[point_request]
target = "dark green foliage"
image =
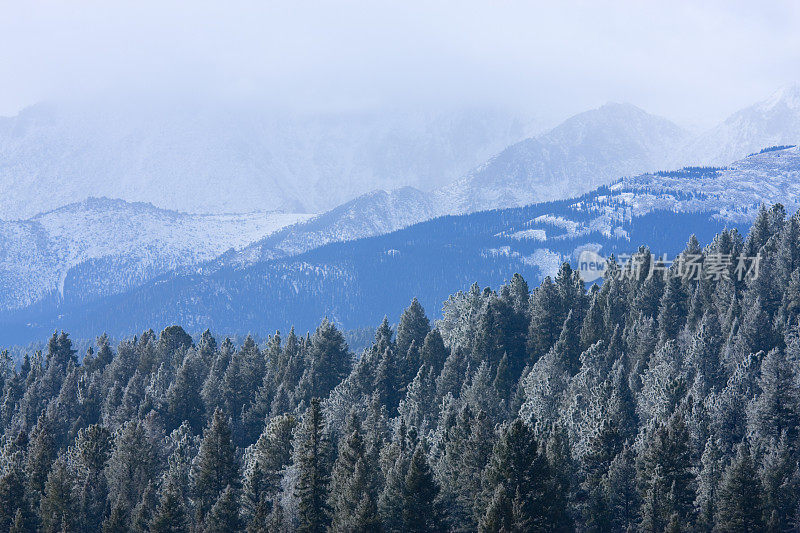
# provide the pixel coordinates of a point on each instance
(413, 327)
(311, 458)
(270, 455)
(215, 467)
(666, 477)
(741, 505)
(522, 469)
(224, 515)
(421, 510)
(170, 516)
(327, 363)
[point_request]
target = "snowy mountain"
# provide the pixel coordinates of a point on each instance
(99, 246)
(730, 196)
(374, 213)
(209, 158)
(774, 121)
(352, 282)
(587, 150)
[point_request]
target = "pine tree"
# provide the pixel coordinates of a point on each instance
(118, 519)
(224, 515)
(421, 510)
(603, 448)
(132, 465)
(413, 327)
(215, 467)
(328, 362)
(311, 460)
(41, 454)
(172, 339)
(546, 319)
(433, 352)
(91, 451)
(499, 516)
(13, 500)
(352, 488)
(170, 516)
(740, 496)
(58, 508)
(781, 481)
(623, 496)
(395, 459)
(143, 512)
(269, 456)
(184, 399)
(776, 411)
(673, 309)
(519, 465)
(277, 519)
(708, 481)
(666, 475)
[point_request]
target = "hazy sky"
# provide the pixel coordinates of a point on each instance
(694, 62)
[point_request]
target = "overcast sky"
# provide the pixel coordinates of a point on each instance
(693, 62)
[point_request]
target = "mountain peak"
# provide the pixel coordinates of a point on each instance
(788, 96)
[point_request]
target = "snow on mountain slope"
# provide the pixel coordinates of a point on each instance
(730, 195)
(587, 150)
(212, 158)
(375, 213)
(351, 282)
(131, 242)
(774, 121)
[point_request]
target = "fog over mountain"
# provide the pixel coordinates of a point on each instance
(770, 122)
(210, 158)
(587, 150)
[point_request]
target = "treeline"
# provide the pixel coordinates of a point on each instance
(648, 403)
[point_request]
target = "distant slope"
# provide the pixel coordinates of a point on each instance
(354, 282)
(773, 121)
(98, 247)
(203, 157)
(374, 213)
(587, 150)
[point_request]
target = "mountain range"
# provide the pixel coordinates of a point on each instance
(352, 281)
(90, 251)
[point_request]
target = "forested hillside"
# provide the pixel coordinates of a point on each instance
(645, 403)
